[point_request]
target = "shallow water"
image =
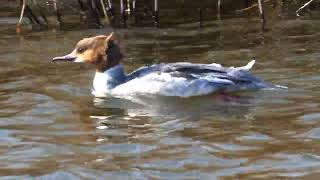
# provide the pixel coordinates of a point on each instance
(51, 127)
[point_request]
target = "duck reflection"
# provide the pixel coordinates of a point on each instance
(168, 108)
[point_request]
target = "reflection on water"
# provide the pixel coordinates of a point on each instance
(172, 108)
(52, 128)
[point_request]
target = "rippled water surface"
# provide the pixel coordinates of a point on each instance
(52, 127)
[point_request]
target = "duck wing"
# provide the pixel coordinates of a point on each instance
(213, 74)
(143, 71)
(211, 71)
(182, 67)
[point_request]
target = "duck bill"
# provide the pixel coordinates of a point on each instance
(68, 57)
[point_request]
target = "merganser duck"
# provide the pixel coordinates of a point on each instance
(172, 79)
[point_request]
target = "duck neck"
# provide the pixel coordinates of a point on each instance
(109, 79)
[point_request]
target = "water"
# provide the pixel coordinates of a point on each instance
(52, 128)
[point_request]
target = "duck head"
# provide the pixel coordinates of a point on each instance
(101, 51)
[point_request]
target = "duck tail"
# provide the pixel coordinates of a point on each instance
(247, 67)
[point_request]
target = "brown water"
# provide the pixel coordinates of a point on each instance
(52, 127)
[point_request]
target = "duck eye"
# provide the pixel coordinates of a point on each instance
(81, 50)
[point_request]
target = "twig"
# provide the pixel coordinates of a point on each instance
(155, 5)
(134, 11)
(41, 12)
(219, 9)
(123, 14)
(105, 12)
(18, 27)
(110, 9)
(121, 7)
(81, 5)
(133, 5)
(262, 17)
(22, 12)
(32, 17)
(110, 3)
(94, 12)
(156, 13)
(57, 12)
(306, 4)
(200, 17)
(128, 10)
(251, 7)
(247, 3)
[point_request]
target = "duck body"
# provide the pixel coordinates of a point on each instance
(176, 79)
(181, 79)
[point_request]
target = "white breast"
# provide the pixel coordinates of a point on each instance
(105, 82)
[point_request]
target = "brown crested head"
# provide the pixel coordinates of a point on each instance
(101, 51)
